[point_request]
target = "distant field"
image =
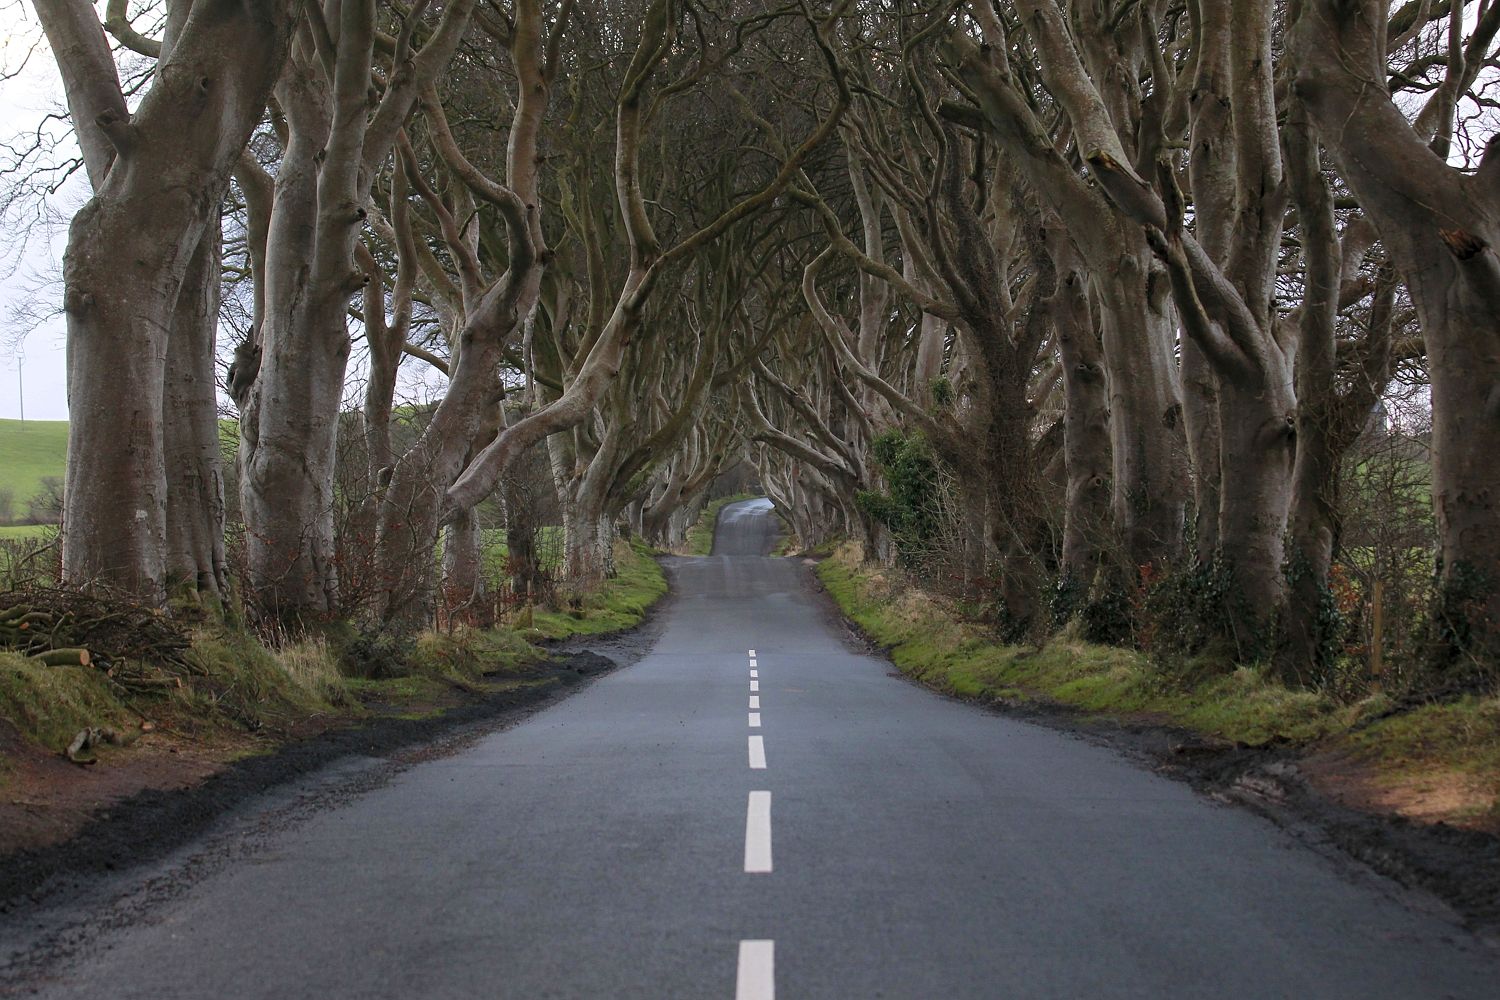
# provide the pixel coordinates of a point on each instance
(16, 532)
(30, 450)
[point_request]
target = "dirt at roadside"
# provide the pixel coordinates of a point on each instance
(61, 824)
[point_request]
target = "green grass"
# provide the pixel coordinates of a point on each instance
(33, 449)
(549, 544)
(620, 604)
(22, 532)
(931, 643)
(51, 704)
(1465, 732)
(700, 537)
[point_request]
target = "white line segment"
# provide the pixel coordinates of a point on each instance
(755, 701)
(758, 834)
(753, 663)
(754, 720)
(757, 753)
(755, 673)
(755, 685)
(756, 979)
(752, 652)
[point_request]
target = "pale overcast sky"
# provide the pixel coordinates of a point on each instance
(30, 252)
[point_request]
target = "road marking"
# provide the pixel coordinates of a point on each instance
(753, 663)
(755, 701)
(752, 652)
(755, 685)
(757, 753)
(756, 979)
(754, 673)
(758, 834)
(754, 720)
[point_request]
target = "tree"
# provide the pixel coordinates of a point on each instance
(139, 257)
(1439, 224)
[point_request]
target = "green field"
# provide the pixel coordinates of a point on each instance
(16, 532)
(30, 450)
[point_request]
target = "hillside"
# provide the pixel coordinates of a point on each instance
(29, 450)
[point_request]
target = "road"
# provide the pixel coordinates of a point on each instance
(627, 843)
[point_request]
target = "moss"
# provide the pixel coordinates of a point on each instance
(49, 705)
(931, 642)
(412, 688)
(619, 604)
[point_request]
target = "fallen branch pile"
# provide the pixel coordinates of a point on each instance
(130, 643)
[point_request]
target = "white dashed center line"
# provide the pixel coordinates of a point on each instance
(755, 685)
(753, 663)
(758, 834)
(752, 652)
(757, 975)
(757, 753)
(755, 701)
(755, 673)
(754, 720)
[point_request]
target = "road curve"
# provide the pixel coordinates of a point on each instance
(638, 841)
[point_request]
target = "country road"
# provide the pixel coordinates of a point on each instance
(754, 810)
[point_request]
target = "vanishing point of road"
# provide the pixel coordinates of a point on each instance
(754, 810)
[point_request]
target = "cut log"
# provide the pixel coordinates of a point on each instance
(64, 658)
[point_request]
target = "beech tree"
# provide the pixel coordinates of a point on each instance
(1080, 307)
(140, 278)
(1437, 221)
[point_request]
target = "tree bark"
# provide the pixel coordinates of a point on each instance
(158, 178)
(196, 567)
(1440, 227)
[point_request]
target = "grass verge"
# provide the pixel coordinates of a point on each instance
(620, 604)
(232, 689)
(1397, 759)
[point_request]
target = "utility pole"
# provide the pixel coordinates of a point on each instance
(21, 389)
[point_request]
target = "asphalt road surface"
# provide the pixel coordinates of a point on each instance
(753, 810)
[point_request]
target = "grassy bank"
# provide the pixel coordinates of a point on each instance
(227, 687)
(1435, 762)
(231, 688)
(619, 604)
(700, 537)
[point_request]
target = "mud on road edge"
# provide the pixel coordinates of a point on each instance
(1460, 868)
(151, 824)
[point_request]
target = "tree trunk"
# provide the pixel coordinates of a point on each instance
(190, 421)
(288, 461)
(121, 279)
(1258, 435)
(464, 589)
(1086, 523)
(158, 178)
(289, 424)
(1440, 227)
(1149, 481)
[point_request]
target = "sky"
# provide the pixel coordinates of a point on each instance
(32, 370)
